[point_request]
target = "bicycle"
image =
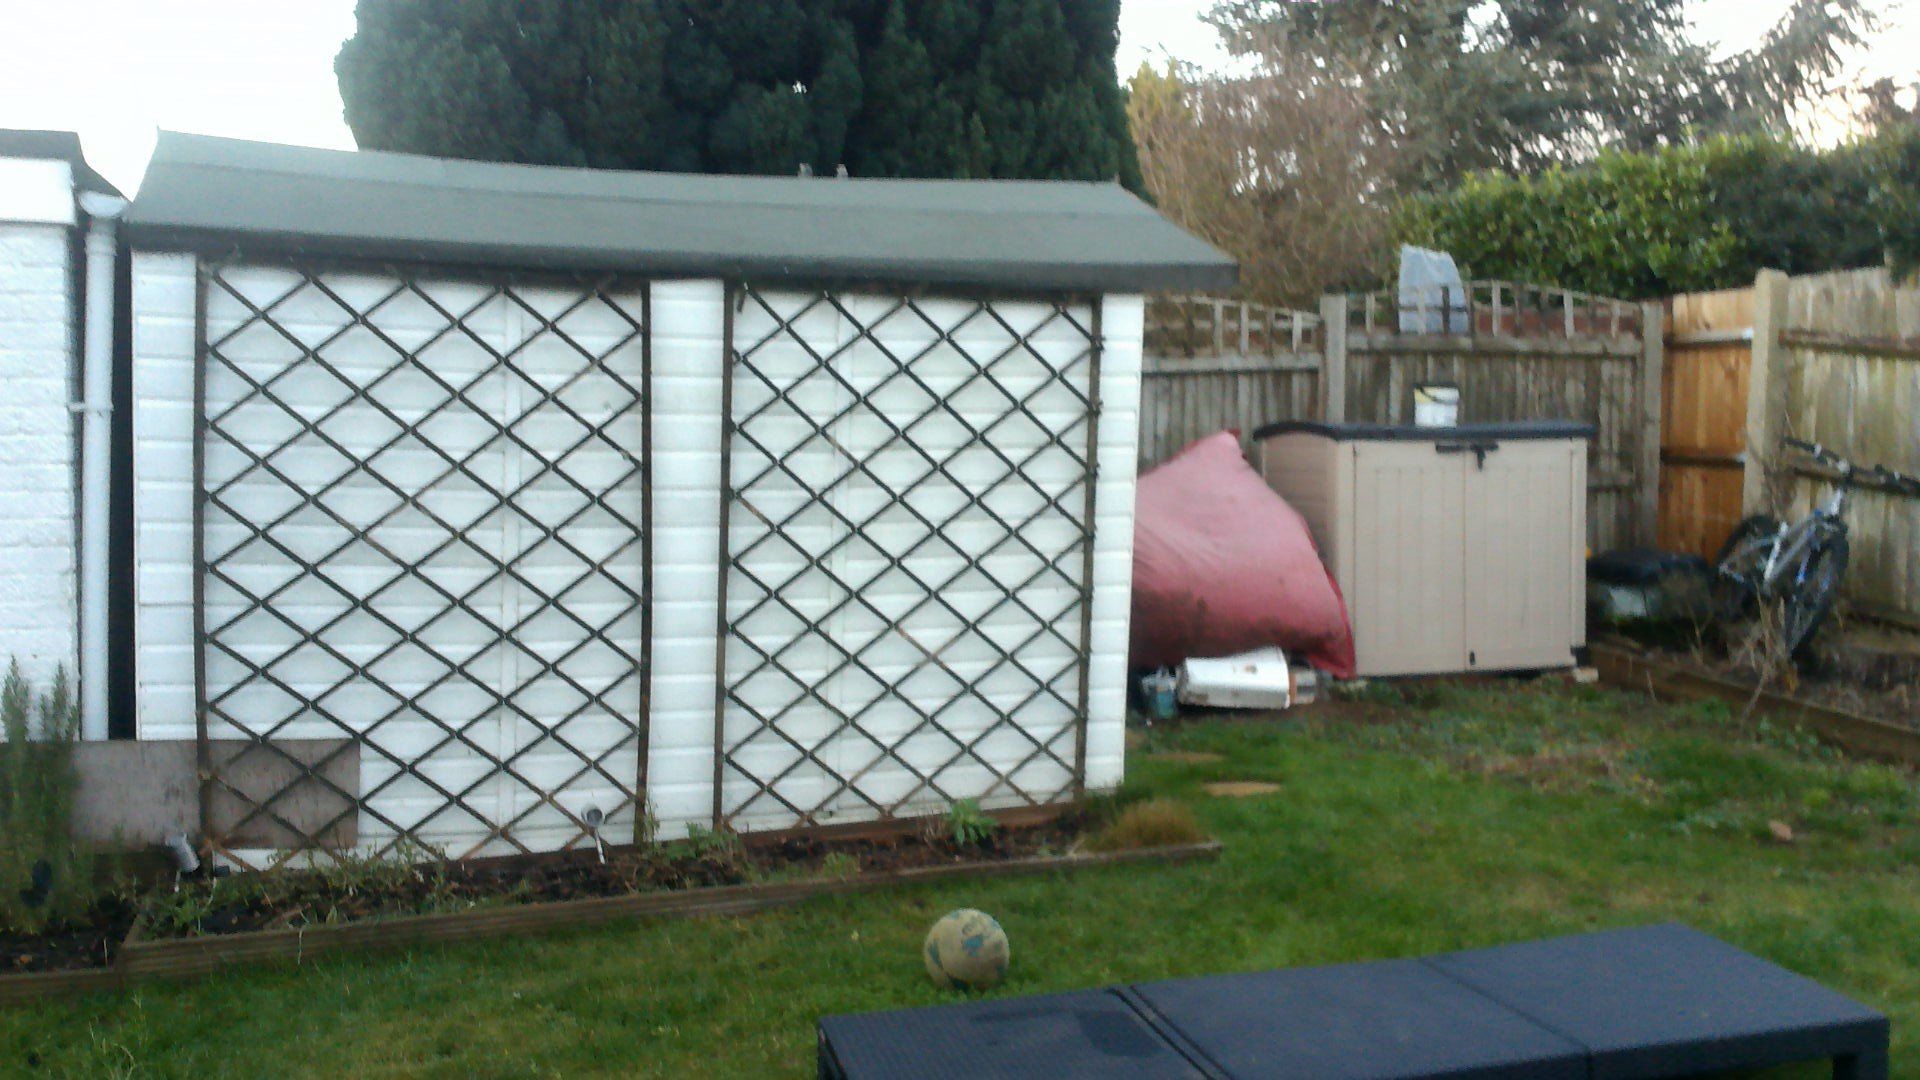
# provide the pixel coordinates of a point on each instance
(1799, 566)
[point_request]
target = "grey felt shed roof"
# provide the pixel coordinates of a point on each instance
(210, 193)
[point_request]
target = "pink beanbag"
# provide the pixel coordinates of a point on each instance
(1222, 565)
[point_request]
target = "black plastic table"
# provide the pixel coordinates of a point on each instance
(1672, 1001)
(1663, 1001)
(1091, 1033)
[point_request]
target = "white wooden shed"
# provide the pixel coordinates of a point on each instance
(478, 503)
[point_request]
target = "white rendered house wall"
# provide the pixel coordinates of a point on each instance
(38, 452)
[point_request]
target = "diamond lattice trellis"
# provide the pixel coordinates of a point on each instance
(422, 543)
(907, 567)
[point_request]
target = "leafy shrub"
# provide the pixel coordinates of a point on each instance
(1704, 216)
(45, 877)
(1150, 824)
(1896, 197)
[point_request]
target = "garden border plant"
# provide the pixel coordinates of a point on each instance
(45, 876)
(57, 896)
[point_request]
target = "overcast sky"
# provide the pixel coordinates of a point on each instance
(116, 70)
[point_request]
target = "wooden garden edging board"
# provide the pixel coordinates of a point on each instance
(142, 960)
(41, 985)
(1623, 667)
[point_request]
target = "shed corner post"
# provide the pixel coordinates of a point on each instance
(1766, 391)
(1096, 347)
(1653, 363)
(730, 291)
(203, 274)
(1333, 358)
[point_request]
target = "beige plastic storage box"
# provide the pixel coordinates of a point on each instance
(1457, 549)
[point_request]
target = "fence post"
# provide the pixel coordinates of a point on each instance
(1653, 362)
(1333, 358)
(1766, 390)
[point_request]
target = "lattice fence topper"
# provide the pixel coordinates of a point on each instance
(421, 536)
(907, 568)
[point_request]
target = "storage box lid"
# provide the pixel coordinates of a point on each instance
(1508, 431)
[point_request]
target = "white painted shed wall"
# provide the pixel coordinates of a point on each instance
(39, 366)
(163, 329)
(583, 622)
(688, 365)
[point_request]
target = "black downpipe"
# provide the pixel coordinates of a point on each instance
(120, 632)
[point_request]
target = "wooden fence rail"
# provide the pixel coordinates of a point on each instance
(1495, 309)
(1214, 365)
(1516, 352)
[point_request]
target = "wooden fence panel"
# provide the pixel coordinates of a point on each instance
(1852, 342)
(1510, 384)
(1185, 400)
(1846, 346)
(1521, 353)
(1214, 364)
(1704, 416)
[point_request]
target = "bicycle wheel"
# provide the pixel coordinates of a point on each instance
(1811, 597)
(1737, 570)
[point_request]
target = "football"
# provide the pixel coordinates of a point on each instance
(967, 949)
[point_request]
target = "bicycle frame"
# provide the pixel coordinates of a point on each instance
(1794, 541)
(1778, 562)
(1787, 549)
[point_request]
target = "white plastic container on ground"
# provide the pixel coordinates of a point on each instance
(1261, 679)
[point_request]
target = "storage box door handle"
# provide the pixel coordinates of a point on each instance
(1479, 450)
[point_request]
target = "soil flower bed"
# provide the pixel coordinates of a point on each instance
(409, 884)
(88, 941)
(373, 889)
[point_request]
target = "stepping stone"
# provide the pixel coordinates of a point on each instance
(1188, 757)
(1239, 789)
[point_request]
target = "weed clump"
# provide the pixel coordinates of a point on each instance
(1150, 824)
(46, 878)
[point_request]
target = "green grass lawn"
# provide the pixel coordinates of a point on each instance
(1412, 822)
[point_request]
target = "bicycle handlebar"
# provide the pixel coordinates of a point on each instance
(1900, 482)
(1818, 453)
(1879, 474)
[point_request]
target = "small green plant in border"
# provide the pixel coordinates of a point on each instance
(45, 877)
(969, 825)
(179, 912)
(838, 865)
(702, 842)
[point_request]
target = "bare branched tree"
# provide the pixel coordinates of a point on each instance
(1521, 85)
(1888, 107)
(1283, 168)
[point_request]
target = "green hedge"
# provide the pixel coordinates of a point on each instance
(1706, 216)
